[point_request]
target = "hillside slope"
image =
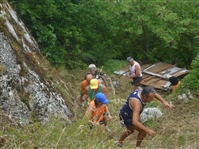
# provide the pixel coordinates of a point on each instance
(176, 129)
(32, 90)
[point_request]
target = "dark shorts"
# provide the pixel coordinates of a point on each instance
(125, 119)
(101, 123)
(136, 81)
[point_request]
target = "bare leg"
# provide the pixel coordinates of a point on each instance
(129, 131)
(126, 133)
(140, 136)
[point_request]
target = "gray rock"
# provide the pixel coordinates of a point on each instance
(150, 113)
(40, 97)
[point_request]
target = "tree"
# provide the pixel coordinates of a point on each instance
(72, 33)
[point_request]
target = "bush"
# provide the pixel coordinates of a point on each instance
(191, 81)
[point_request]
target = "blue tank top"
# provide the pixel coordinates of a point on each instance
(127, 108)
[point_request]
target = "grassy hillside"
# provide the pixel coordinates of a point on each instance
(177, 129)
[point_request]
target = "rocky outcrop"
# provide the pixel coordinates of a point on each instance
(24, 93)
(150, 113)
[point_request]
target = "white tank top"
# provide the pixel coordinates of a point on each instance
(132, 69)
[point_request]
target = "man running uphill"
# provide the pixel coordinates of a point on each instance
(130, 114)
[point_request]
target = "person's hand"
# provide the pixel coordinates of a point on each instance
(152, 133)
(168, 106)
(131, 77)
(109, 117)
(97, 124)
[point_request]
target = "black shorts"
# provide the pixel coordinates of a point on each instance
(136, 81)
(101, 122)
(125, 119)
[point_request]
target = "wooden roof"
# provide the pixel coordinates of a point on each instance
(156, 75)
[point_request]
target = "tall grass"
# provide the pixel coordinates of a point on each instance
(58, 134)
(177, 129)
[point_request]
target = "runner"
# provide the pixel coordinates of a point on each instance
(84, 84)
(93, 89)
(97, 74)
(130, 113)
(98, 112)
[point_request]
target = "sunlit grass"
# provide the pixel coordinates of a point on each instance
(59, 134)
(177, 129)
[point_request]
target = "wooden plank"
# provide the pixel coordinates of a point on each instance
(151, 77)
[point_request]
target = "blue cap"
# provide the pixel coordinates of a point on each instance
(101, 98)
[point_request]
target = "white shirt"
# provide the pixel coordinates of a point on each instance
(132, 69)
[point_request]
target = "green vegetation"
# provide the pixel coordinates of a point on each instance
(172, 128)
(112, 65)
(181, 140)
(74, 33)
(191, 81)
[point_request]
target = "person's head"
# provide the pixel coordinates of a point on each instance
(100, 99)
(89, 77)
(94, 84)
(130, 60)
(148, 94)
(173, 80)
(92, 69)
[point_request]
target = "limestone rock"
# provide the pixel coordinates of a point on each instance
(150, 113)
(24, 95)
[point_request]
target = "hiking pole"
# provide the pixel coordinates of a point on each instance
(101, 69)
(102, 77)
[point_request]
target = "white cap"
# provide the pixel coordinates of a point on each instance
(92, 66)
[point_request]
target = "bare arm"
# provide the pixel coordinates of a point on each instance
(89, 110)
(166, 105)
(106, 110)
(85, 91)
(105, 91)
(88, 114)
(108, 113)
(174, 87)
(136, 105)
(138, 70)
